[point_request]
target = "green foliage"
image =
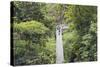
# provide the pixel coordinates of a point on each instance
(30, 27)
(34, 32)
(82, 20)
(26, 11)
(30, 39)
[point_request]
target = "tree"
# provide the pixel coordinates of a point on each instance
(34, 26)
(81, 19)
(26, 11)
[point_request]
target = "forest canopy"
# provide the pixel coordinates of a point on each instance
(34, 24)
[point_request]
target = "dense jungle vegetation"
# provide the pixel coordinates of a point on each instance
(34, 32)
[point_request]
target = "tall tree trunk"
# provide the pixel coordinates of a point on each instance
(59, 45)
